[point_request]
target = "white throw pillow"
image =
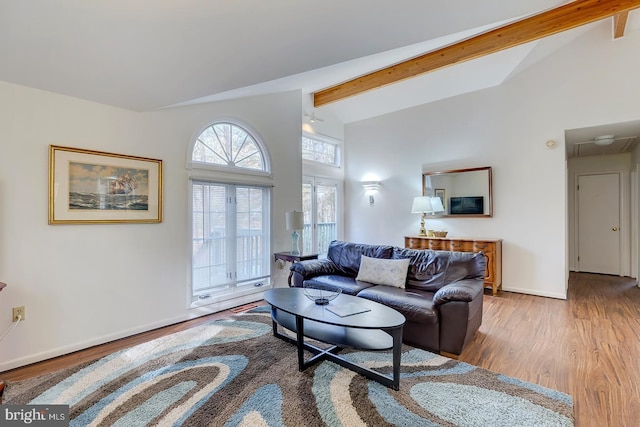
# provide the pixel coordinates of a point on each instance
(390, 272)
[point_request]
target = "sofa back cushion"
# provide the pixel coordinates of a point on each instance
(346, 255)
(430, 270)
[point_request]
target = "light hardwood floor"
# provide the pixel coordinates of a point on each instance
(587, 346)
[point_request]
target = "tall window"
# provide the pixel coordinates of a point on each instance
(321, 195)
(320, 203)
(230, 221)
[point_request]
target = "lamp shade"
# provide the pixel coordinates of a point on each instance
(295, 220)
(436, 204)
(371, 185)
(424, 204)
(421, 204)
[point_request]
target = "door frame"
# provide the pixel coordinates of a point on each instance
(621, 204)
(634, 222)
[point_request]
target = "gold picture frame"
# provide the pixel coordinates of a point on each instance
(95, 187)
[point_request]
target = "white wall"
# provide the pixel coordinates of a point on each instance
(505, 127)
(87, 284)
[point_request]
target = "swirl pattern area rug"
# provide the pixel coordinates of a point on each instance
(234, 372)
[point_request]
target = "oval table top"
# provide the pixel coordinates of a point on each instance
(293, 301)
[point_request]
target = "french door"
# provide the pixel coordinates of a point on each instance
(230, 239)
(321, 204)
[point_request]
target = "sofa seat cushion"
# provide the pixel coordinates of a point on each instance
(416, 305)
(348, 285)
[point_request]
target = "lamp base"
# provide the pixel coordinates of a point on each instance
(423, 231)
(295, 243)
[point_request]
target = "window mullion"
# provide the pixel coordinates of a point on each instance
(232, 235)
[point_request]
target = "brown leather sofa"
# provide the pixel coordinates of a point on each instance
(441, 300)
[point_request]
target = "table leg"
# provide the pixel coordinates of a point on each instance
(397, 356)
(300, 341)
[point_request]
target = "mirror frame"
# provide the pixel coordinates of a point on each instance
(484, 168)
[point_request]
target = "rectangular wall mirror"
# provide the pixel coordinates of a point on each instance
(464, 192)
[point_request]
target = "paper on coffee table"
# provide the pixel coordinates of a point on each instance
(348, 309)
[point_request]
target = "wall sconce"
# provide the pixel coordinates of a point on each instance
(370, 188)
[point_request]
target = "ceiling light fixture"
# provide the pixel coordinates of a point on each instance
(604, 140)
(313, 118)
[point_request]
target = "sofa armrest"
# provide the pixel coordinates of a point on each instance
(307, 269)
(463, 290)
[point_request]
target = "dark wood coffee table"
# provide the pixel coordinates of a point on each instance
(377, 329)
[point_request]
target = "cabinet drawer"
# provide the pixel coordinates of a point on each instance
(416, 243)
(483, 247)
(457, 246)
(468, 246)
(438, 245)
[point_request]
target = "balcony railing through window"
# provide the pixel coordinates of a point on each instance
(210, 262)
(327, 231)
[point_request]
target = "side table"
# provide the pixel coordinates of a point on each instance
(289, 257)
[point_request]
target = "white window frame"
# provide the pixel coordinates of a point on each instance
(237, 286)
(238, 176)
(326, 140)
(202, 166)
(314, 181)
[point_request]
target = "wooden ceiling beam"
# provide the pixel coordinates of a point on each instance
(553, 21)
(619, 24)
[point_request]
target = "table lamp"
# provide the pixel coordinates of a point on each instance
(295, 221)
(426, 205)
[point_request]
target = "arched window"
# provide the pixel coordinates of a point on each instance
(227, 144)
(230, 226)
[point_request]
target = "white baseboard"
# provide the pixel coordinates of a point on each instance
(60, 351)
(199, 310)
(536, 293)
(191, 314)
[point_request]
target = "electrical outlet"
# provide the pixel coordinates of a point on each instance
(18, 312)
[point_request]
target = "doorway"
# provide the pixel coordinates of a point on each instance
(598, 219)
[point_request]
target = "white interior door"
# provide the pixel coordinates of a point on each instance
(599, 223)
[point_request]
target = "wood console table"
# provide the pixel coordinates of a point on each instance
(491, 248)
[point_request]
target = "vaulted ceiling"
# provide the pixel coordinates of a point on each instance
(151, 54)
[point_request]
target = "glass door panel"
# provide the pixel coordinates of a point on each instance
(321, 206)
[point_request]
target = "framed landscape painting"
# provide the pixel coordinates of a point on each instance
(88, 186)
